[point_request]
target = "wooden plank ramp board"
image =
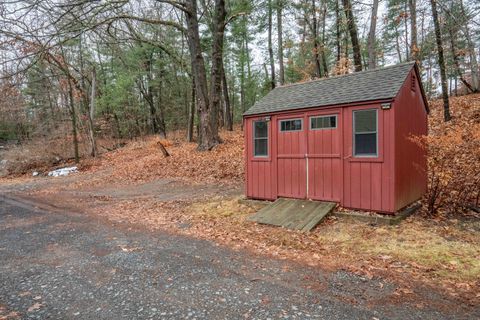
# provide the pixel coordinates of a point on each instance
(294, 214)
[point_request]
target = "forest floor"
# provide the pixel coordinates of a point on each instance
(197, 194)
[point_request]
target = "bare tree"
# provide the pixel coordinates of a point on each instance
(441, 61)
(371, 36)
(322, 42)
(191, 114)
(270, 44)
(208, 104)
(226, 98)
(281, 74)
(338, 21)
(316, 49)
(352, 28)
(413, 30)
(471, 51)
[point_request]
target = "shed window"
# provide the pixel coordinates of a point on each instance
(365, 131)
(323, 122)
(291, 125)
(260, 138)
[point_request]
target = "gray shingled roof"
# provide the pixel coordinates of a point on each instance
(383, 83)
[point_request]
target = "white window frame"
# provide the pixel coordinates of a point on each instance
(372, 155)
(324, 116)
(262, 138)
(285, 120)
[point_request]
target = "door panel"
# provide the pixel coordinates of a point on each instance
(291, 163)
(324, 157)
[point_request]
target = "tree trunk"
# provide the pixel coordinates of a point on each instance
(405, 22)
(265, 70)
(352, 28)
(302, 49)
(471, 52)
(280, 41)
(216, 72)
(206, 138)
(88, 108)
(91, 114)
(157, 125)
(452, 34)
(243, 103)
(322, 44)
(270, 45)
(207, 105)
(450, 80)
(441, 61)
(247, 50)
(337, 33)
(191, 114)
(159, 105)
(73, 116)
(371, 37)
(397, 44)
(228, 114)
(316, 55)
(413, 30)
(248, 79)
(117, 125)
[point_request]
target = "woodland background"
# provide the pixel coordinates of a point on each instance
(81, 78)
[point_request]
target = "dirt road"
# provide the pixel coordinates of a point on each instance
(64, 265)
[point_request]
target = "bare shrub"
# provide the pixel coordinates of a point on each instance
(454, 157)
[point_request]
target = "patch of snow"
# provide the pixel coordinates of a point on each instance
(35, 173)
(62, 172)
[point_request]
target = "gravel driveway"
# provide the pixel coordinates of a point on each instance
(71, 266)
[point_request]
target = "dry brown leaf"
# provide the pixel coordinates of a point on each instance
(36, 306)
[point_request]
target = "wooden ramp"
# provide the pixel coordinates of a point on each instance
(294, 214)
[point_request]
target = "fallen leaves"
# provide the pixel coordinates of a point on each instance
(130, 249)
(5, 314)
(142, 161)
(453, 157)
(36, 306)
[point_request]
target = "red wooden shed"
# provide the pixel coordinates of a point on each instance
(345, 139)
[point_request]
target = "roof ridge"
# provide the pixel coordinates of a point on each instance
(345, 75)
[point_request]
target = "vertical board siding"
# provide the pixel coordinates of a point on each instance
(366, 185)
(356, 185)
(411, 166)
(377, 194)
(324, 159)
(368, 182)
(260, 173)
(387, 170)
(290, 158)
